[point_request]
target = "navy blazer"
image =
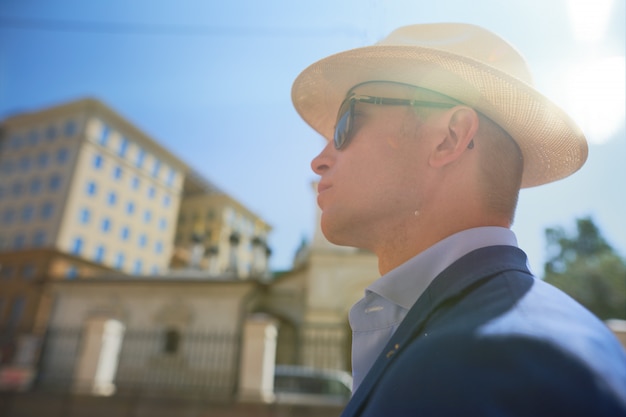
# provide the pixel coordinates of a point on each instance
(488, 339)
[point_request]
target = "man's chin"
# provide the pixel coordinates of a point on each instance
(333, 234)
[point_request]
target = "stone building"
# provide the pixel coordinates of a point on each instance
(84, 193)
(217, 234)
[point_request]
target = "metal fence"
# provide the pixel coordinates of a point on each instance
(198, 364)
(201, 363)
(325, 346)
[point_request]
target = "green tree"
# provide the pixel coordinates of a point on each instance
(586, 267)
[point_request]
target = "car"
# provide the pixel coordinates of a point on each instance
(310, 386)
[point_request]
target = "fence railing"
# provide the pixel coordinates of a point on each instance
(206, 363)
(325, 346)
(187, 363)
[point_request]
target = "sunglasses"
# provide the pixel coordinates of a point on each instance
(345, 116)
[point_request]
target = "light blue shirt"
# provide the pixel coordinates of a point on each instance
(378, 314)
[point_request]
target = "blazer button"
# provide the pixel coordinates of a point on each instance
(393, 351)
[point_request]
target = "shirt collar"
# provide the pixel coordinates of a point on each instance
(406, 283)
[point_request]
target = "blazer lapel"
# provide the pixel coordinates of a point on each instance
(464, 274)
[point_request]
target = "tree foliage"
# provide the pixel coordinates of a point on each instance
(586, 267)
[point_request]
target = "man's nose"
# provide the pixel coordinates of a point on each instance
(324, 159)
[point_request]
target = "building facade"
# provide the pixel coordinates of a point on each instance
(218, 235)
(84, 193)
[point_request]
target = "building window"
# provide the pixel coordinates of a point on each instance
(117, 172)
(70, 128)
(63, 155)
(42, 160)
(55, 182)
(17, 188)
(16, 142)
(151, 192)
(119, 261)
(158, 247)
(143, 240)
(125, 233)
(8, 215)
(147, 216)
(106, 224)
(91, 188)
(39, 239)
(104, 135)
(7, 167)
(47, 210)
(98, 161)
(171, 176)
(156, 168)
(27, 213)
(141, 156)
(99, 254)
(51, 132)
(167, 200)
(77, 246)
(155, 270)
(162, 223)
(35, 186)
(33, 138)
(112, 198)
(28, 271)
(137, 268)
(24, 163)
(71, 272)
(130, 207)
(19, 241)
(123, 147)
(84, 216)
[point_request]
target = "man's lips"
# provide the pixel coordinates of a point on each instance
(321, 187)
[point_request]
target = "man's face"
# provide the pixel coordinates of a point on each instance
(369, 190)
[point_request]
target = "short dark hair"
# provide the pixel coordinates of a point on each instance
(502, 164)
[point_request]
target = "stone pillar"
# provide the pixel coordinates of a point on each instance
(97, 362)
(256, 376)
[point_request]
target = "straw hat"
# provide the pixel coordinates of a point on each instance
(465, 62)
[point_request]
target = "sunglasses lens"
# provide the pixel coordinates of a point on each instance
(342, 129)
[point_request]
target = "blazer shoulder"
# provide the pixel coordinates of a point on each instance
(460, 375)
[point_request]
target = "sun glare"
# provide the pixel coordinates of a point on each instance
(595, 96)
(589, 18)
(594, 91)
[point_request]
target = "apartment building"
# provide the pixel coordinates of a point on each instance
(87, 196)
(218, 235)
(82, 192)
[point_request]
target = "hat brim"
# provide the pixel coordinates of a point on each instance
(553, 146)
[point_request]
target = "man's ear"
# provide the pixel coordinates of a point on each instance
(462, 125)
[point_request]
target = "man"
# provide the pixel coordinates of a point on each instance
(431, 134)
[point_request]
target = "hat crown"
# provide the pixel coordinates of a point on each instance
(463, 40)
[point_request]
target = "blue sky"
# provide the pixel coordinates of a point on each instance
(211, 81)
